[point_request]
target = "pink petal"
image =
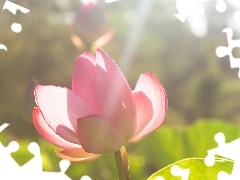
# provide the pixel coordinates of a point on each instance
(77, 154)
(151, 103)
(84, 79)
(144, 110)
(61, 108)
(115, 95)
(47, 133)
(98, 135)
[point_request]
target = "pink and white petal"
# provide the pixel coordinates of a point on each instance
(115, 95)
(61, 108)
(83, 79)
(77, 155)
(47, 133)
(98, 135)
(151, 103)
(144, 110)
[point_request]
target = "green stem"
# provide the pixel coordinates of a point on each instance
(120, 167)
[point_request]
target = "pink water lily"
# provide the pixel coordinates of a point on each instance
(101, 112)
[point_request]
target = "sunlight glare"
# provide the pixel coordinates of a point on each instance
(134, 34)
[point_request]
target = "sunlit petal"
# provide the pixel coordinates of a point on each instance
(115, 95)
(151, 102)
(46, 132)
(77, 154)
(84, 79)
(61, 108)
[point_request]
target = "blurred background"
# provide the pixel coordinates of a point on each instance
(141, 36)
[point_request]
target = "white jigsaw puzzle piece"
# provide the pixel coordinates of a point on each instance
(236, 16)
(228, 150)
(85, 177)
(2, 46)
(35, 164)
(33, 169)
(16, 27)
(177, 171)
(188, 7)
(12, 7)
(4, 125)
(222, 51)
(221, 6)
(7, 164)
(193, 7)
(64, 164)
(159, 178)
(225, 176)
(40, 175)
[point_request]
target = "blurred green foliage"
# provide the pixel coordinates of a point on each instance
(197, 82)
(165, 146)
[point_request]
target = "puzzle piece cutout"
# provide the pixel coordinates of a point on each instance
(2, 46)
(16, 27)
(12, 7)
(221, 6)
(85, 178)
(3, 126)
(228, 150)
(30, 170)
(159, 178)
(177, 171)
(190, 7)
(236, 16)
(222, 51)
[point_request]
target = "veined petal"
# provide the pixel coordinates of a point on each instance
(61, 108)
(151, 103)
(47, 133)
(84, 79)
(115, 95)
(98, 135)
(77, 155)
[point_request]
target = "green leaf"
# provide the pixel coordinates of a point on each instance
(198, 169)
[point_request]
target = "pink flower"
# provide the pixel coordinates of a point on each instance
(90, 28)
(101, 112)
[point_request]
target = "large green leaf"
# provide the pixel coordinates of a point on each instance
(197, 168)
